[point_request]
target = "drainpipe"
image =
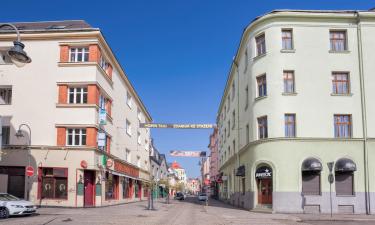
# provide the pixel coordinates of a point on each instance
(364, 113)
(238, 121)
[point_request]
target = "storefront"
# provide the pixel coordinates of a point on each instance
(263, 176)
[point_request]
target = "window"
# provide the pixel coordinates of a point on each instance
(79, 54)
(340, 83)
(77, 95)
(234, 146)
(243, 185)
(111, 186)
(343, 126)
(228, 128)
(76, 136)
(311, 182)
(344, 182)
(139, 115)
(128, 99)
(229, 153)
(128, 128)
(146, 144)
(290, 125)
(261, 44)
(247, 133)
(127, 155)
(262, 127)
(233, 90)
(246, 97)
(289, 82)
(228, 102)
(139, 161)
(262, 85)
(287, 39)
(234, 119)
(139, 138)
(5, 135)
(338, 40)
(54, 183)
(103, 63)
(5, 95)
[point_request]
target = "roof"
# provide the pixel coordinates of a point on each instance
(51, 26)
(176, 165)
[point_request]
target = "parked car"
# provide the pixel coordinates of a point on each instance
(13, 206)
(179, 196)
(202, 197)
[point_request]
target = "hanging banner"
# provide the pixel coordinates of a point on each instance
(101, 139)
(176, 126)
(102, 117)
(179, 153)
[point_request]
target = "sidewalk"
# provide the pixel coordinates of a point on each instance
(335, 217)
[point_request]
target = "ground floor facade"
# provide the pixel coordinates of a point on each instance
(71, 178)
(293, 176)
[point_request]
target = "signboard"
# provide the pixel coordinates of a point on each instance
(102, 117)
(263, 172)
(126, 169)
(176, 126)
(84, 164)
(29, 171)
(180, 153)
(101, 139)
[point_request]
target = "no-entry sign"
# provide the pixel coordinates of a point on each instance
(29, 171)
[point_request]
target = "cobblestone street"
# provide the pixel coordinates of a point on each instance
(177, 213)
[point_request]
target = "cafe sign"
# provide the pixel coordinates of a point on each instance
(263, 172)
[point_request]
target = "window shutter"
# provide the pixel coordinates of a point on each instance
(61, 136)
(311, 183)
(64, 53)
(344, 183)
(63, 94)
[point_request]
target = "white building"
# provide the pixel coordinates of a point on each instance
(298, 96)
(74, 75)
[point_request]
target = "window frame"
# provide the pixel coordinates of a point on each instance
(262, 128)
(333, 40)
(129, 100)
(128, 128)
(287, 80)
(5, 135)
(283, 38)
(261, 82)
(288, 123)
(83, 93)
(260, 43)
(7, 92)
(336, 83)
(81, 134)
(84, 50)
(337, 124)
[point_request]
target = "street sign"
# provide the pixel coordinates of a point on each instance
(177, 126)
(330, 178)
(29, 171)
(179, 153)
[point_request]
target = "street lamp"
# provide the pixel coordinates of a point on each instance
(19, 134)
(18, 56)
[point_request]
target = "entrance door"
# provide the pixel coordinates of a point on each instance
(89, 186)
(265, 191)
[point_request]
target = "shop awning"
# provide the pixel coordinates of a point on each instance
(240, 171)
(345, 164)
(122, 175)
(311, 164)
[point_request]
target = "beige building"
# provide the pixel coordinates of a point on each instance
(297, 98)
(86, 147)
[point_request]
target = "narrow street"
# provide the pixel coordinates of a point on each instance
(187, 212)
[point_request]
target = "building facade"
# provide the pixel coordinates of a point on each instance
(214, 163)
(86, 148)
(205, 174)
(180, 172)
(193, 186)
(159, 171)
(296, 108)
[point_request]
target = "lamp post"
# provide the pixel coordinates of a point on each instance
(18, 56)
(19, 134)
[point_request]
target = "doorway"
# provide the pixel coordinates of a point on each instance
(263, 176)
(89, 191)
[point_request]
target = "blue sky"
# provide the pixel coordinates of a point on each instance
(176, 53)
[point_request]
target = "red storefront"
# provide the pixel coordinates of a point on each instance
(131, 186)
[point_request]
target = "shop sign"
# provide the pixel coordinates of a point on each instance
(109, 163)
(102, 117)
(263, 172)
(126, 169)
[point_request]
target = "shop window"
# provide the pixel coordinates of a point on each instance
(54, 182)
(111, 186)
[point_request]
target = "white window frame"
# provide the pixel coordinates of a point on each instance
(139, 115)
(75, 51)
(73, 134)
(129, 99)
(128, 127)
(75, 93)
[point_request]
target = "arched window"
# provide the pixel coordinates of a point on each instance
(311, 168)
(344, 176)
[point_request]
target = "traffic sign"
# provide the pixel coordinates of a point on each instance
(29, 171)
